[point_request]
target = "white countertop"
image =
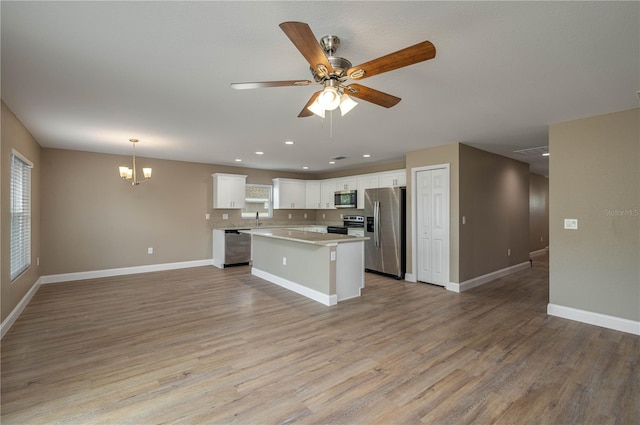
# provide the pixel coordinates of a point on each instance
(304, 237)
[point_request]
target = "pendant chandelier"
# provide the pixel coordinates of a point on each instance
(129, 174)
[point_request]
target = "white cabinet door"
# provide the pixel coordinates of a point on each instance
(229, 191)
(347, 183)
(312, 201)
(289, 194)
(392, 178)
(327, 192)
(367, 181)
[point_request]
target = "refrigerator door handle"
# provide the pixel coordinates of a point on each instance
(376, 223)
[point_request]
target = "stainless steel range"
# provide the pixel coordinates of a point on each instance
(354, 224)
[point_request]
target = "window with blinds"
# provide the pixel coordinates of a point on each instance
(20, 214)
(257, 199)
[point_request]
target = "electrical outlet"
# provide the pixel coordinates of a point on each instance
(323, 216)
(289, 216)
(284, 261)
(571, 223)
(207, 216)
(464, 219)
(305, 215)
(150, 250)
(508, 252)
(225, 216)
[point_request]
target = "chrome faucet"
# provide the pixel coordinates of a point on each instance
(257, 219)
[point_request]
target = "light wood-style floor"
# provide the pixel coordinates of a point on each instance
(215, 346)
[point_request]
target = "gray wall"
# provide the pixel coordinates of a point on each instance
(494, 198)
(594, 177)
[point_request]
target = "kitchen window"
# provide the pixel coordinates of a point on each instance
(258, 200)
(20, 214)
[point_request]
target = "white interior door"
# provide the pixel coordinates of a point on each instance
(432, 190)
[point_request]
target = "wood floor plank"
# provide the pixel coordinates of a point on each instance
(205, 345)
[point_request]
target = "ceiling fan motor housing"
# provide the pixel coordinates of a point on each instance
(339, 65)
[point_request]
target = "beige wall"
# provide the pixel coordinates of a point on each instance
(94, 221)
(594, 177)
(538, 212)
(446, 154)
(16, 136)
(492, 192)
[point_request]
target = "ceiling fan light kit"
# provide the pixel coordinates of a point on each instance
(332, 72)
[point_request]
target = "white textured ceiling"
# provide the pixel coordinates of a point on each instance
(91, 75)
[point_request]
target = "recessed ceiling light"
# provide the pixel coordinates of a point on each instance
(366, 155)
(237, 160)
(259, 153)
(546, 154)
(332, 162)
(305, 168)
(289, 142)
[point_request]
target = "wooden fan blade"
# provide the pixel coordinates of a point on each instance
(302, 37)
(405, 57)
(305, 112)
(371, 95)
(264, 84)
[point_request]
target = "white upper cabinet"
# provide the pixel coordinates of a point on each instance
(327, 192)
(312, 201)
(319, 194)
(229, 191)
(366, 181)
(392, 178)
(347, 183)
(289, 194)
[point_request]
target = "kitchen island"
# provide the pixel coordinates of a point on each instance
(325, 267)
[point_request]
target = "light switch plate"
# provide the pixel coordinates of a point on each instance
(571, 223)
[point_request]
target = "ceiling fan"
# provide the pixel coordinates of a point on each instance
(332, 72)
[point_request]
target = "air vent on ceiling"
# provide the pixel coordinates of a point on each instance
(533, 151)
(338, 158)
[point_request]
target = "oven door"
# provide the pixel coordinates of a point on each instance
(341, 230)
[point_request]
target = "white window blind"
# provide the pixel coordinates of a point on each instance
(20, 214)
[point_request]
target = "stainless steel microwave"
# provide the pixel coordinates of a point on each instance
(346, 199)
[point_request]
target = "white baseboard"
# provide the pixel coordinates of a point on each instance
(68, 277)
(15, 313)
(409, 277)
(481, 280)
(597, 319)
(539, 252)
(325, 299)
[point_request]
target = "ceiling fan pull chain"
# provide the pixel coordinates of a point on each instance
(331, 125)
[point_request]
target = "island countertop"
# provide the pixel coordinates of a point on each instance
(314, 238)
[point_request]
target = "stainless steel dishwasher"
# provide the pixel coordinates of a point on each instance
(237, 247)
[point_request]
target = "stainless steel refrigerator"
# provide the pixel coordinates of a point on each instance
(385, 251)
